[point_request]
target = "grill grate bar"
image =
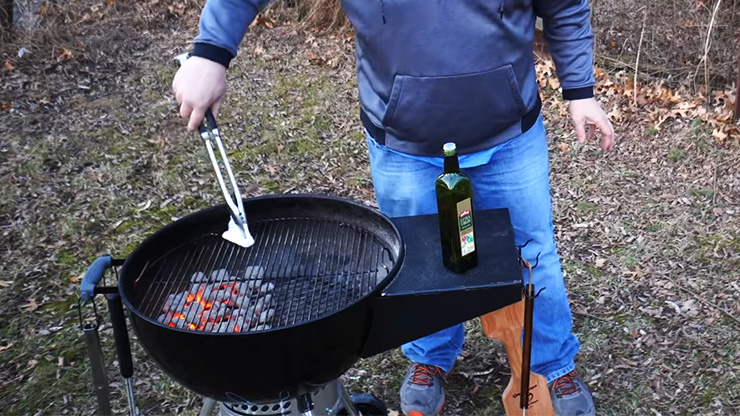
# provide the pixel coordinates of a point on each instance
(276, 260)
(352, 275)
(167, 284)
(291, 305)
(208, 270)
(325, 250)
(165, 287)
(315, 273)
(247, 257)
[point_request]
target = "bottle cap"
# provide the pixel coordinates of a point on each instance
(449, 148)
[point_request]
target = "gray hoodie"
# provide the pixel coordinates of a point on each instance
(432, 71)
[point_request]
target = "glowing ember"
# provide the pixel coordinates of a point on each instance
(221, 303)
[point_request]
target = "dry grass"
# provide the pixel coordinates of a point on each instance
(95, 159)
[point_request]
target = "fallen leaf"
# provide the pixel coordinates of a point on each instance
(6, 106)
(177, 8)
(5, 283)
(30, 306)
(78, 278)
(719, 135)
(111, 3)
(7, 347)
(262, 20)
(64, 55)
(8, 66)
(599, 263)
(564, 147)
(615, 115)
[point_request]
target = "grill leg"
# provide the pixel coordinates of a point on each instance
(347, 403)
(305, 404)
(208, 406)
(92, 339)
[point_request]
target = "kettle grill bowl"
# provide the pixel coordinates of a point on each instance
(328, 271)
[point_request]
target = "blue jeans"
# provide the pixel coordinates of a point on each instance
(517, 178)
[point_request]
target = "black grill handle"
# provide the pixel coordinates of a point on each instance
(120, 333)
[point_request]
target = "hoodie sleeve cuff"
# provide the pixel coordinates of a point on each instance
(571, 94)
(212, 53)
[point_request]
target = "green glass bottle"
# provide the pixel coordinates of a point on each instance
(455, 212)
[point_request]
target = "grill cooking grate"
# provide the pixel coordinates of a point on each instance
(309, 267)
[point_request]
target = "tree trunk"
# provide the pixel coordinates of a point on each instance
(736, 110)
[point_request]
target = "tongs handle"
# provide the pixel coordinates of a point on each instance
(209, 132)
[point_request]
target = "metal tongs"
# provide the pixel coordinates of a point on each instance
(237, 232)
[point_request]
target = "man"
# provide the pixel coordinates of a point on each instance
(432, 71)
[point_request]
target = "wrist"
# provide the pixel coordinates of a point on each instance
(212, 53)
(580, 93)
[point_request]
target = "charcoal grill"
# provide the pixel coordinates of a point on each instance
(347, 283)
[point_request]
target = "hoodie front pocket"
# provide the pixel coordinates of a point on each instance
(461, 108)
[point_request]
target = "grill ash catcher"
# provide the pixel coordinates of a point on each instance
(347, 283)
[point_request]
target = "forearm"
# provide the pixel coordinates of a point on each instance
(223, 24)
(568, 32)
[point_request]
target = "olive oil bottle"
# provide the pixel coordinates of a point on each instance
(455, 212)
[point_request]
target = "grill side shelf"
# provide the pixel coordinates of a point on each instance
(426, 297)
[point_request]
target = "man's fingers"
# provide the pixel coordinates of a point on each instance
(580, 128)
(196, 117)
(607, 134)
(215, 107)
(185, 110)
(590, 131)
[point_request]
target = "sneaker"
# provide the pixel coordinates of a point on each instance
(571, 397)
(422, 391)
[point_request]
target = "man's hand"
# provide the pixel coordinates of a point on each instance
(587, 114)
(198, 85)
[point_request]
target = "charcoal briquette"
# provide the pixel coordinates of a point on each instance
(219, 275)
(267, 287)
(254, 272)
(198, 277)
(267, 315)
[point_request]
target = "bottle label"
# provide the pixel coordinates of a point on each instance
(465, 224)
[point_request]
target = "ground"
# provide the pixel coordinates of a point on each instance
(95, 158)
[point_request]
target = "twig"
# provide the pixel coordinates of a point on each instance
(707, 43)
(704, 301)
(714, 186)
(476, 373)
(706, 48)
(637, 60)
(588, 315)
(651, 69)
(736, 109)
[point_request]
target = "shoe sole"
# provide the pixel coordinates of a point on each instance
(418, 413)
